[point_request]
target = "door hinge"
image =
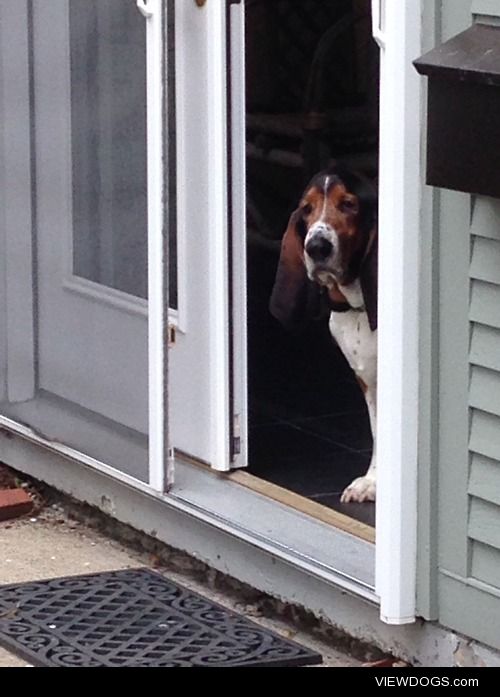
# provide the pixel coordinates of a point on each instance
(236, 442)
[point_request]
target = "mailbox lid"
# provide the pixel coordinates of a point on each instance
(472, 56)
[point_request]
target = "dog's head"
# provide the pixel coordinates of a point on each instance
(330, 241)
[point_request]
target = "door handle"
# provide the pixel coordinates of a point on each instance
(143, 9)
(377, 31)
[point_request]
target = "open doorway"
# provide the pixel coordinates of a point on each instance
(312, 79)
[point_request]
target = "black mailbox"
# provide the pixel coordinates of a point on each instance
(463, 146)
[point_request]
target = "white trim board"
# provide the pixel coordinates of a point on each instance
(399, 283)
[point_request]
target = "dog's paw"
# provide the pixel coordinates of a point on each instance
(360, 490)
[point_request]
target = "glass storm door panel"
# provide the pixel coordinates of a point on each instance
(75, 350)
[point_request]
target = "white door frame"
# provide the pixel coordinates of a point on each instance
(397, 29)
(398, 26)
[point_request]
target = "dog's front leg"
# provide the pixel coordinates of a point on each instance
(364, 488)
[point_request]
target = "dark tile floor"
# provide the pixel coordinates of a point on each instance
(312, 457)
(309, 427)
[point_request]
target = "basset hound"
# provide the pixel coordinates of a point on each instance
(329, 255)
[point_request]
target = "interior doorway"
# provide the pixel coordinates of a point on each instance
(312, 82)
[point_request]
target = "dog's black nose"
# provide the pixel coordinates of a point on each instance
(319, 248)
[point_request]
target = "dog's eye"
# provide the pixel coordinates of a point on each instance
(348, 206)
(306, 209)
(302, 228)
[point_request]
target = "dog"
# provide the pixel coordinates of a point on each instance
(329, 256)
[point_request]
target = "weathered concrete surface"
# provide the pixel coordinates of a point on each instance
(51, 545)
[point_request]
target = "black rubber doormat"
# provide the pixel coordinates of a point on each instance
(134, 617)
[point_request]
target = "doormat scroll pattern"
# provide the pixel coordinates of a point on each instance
(134, 617)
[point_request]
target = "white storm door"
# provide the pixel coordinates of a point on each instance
(93, 105)
(207, 363)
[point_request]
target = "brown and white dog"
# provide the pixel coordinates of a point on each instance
(329, 254)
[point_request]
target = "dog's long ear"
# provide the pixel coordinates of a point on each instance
(294, 298)
(368, 277)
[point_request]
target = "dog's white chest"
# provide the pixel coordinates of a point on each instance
(358, 343)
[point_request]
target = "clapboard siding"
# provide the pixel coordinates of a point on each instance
(485, 563)
(484, 349)
(469, 475)
(485, 390)
(484, 479)
(484, 522)
(483, 507)
(485, 304)
(485, 263)
(485, 434)
(486, 217)
(476, 500)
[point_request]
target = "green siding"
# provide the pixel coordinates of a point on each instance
(484, 481)
(485, 434)
(485, 390)
(453, 415)
(486, 217)
(484, 523)
(485, 265)
(459, 521)
(471, 608)
(485, 563)
(484, 347)
(485, 304)
(469, 548)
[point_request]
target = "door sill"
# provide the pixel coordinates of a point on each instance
(326, 515)
(292, 533)
(304, 505)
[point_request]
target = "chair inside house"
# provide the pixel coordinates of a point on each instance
(312, 97)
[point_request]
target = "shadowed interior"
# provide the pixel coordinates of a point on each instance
(309, 426)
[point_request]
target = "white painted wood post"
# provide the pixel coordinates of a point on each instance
(398, 32)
